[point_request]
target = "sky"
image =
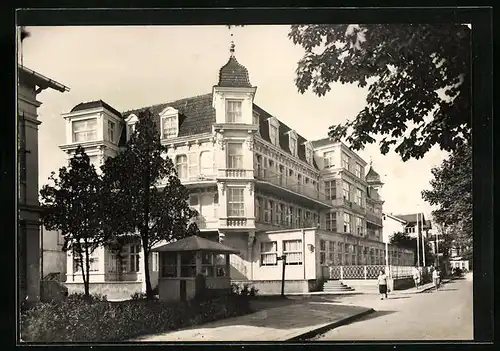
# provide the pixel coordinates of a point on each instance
(132, 67)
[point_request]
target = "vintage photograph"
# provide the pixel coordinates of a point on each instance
(269, 183)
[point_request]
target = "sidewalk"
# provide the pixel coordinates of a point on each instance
(286, 323)
(424, 288)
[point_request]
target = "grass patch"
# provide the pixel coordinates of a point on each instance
(76, 319)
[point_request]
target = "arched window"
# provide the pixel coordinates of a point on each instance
(181, 166)
(206, 163)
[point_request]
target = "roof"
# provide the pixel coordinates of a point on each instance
(321, 142)
(40, 80)
(388, 215)
(372, 175)
(94, 104)
(234, 74)
(411, 219)
(196, 243)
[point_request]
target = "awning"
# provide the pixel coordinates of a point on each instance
(195, 243)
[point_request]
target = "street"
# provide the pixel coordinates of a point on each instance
(442, 315)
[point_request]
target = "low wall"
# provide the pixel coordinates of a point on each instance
(371, 286)
(113, 290)
(273, 287)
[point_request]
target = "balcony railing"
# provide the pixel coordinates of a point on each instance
(287, 223)
(235, 173)
(236, 222)
(290, 183)
(205, 223)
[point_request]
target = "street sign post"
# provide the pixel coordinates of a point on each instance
(282, 258)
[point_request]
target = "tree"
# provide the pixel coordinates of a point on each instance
(148, 197)
(74, 205)
(404, 241)
(452, 193)
(413, 71)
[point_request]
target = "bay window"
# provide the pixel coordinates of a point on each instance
(111, 132)
(358, 171)
(233, 111)
(345, 161)
(347, 223)
(329, 159)
(85, 130)
(331, 190)
(331, 221)
(359, 197)
(359, 226)
(235, 156)
(346, 191)
(235, 202)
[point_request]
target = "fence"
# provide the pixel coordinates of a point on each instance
(365, 272)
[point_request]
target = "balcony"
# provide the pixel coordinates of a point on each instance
(354, 206)
(205, 223)
(286, 223)
(374, 219)
(236, 222)
(236, 173)
(292, 185)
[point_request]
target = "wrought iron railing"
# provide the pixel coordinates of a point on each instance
(366, 272)
(370, 217)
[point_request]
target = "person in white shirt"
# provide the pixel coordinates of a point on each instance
(416, 276)
(435, 278)
(382, 285)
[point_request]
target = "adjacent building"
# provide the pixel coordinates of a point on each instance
(30, 84)
(258, 186)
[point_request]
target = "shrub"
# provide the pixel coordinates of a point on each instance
(76, 319)
(243, 290)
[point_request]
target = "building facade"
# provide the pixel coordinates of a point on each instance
(30, 84)
(258, 185)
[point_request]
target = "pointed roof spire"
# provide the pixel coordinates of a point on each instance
(371, 161)
(231, 48)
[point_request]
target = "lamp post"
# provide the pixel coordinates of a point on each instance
(283, 259)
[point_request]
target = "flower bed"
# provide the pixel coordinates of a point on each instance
(78, 320)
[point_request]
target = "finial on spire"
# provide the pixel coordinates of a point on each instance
(231, 48)
(371, 161)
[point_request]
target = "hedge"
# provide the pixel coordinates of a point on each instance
(76, 319)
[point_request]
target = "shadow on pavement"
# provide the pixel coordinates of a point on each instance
(373, 315)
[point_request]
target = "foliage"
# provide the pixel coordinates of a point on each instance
(452, 193)
(404, 241)
(413, 71)
(75, 206)
(243, 290)
(147, 196)
(78, 320)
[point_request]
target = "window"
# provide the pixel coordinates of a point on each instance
(255, 118)
(322, 252)
(331, 190)
(345, 161)
(359, 226)
(281, 214)
(169, 127)
(111, 132)
(339, 253)
(271, 211)
(93, 260)
(188, 264)
(292, 249)
(331, 252)
(329, 159)
(258, 209)
(235, 202)
(85, 130)
(346, 191)
(181, 166)
(169, 265)
(206, 163)
(309, 154)
(273, 134)
(267, 211)
(130, 130)
(135, 251)
(233, 111)
(193, 200)
(220, 265)
(207, 264)
(331, 221)
(268, 253)
(154, 261)
(347, 223)
(358, 171)
(359, 197)
(235, 156)
(293, 146)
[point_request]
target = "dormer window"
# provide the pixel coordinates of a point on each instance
(233, 111)
(169, 123)
(293, 146)
(130, 125)
(309, 153)
(273, 134)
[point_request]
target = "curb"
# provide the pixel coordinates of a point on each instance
(312, 333)
(432, 287)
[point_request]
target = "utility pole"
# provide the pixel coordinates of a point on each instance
(418, 244)
(423, 242)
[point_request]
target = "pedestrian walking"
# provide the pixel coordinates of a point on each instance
(382, 285)
(435, 278)
(416, 276)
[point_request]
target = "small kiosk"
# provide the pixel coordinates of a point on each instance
(183, 260)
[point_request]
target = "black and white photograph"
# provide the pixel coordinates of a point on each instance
(246, 182)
